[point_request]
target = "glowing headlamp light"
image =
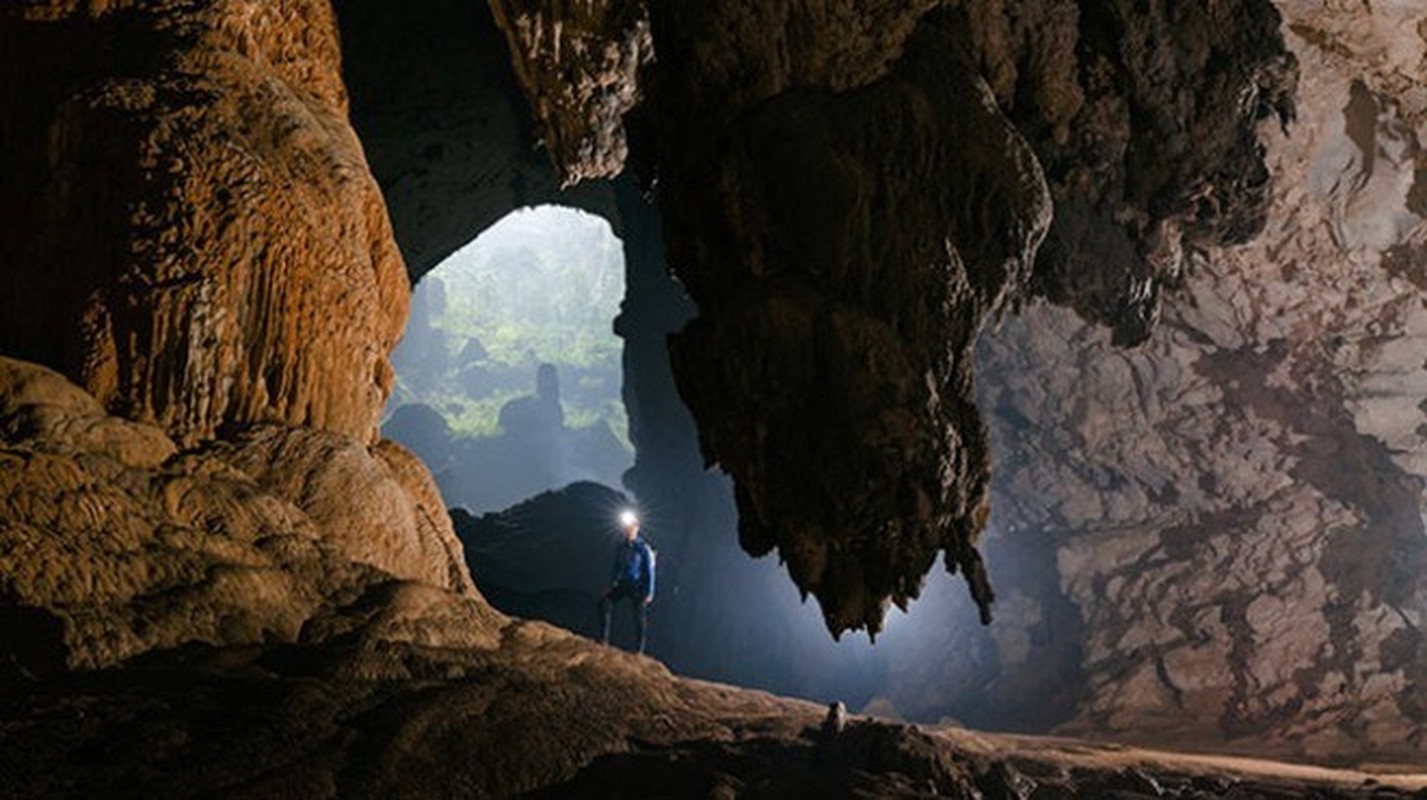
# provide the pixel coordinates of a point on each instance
(628, 518)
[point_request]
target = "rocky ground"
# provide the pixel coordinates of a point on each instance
(548, 714)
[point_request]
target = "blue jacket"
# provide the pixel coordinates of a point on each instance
(634, 566)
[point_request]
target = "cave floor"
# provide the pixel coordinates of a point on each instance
(545, 714)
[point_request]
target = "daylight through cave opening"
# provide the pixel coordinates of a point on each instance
(508, 375)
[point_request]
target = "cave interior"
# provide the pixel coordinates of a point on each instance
(1026, 398)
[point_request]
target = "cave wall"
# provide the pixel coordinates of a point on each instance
(192, 232)
(193, 238)
(449, 137)
(1235, 507)
(1143, 118)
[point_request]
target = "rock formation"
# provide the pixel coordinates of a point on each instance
(117, 543)
(837, 186)
(1235, 507)
(1144, 119)
(866, 233)
(1160, 136)
(579, 64)
(174, 627)
(548, 557)
(192, 232)
(446, 127)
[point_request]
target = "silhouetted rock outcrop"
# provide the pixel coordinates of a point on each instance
(424, 431)
(547, 558)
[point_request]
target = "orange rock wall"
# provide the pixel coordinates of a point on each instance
(192, 231)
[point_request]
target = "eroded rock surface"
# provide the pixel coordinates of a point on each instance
(1144, 117)
(548, 714)
(578, 64)
(848, 209)
(850, 190)
(191, 229)
(843, 250)
(115, 543)
(447, 130)
(1236, 506)
(176, 626)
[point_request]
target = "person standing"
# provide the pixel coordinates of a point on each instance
(632, 578)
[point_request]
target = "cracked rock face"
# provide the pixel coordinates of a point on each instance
(1144, 116)
(192, 232)
(1236, 506)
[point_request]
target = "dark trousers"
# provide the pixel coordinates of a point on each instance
(613, 595)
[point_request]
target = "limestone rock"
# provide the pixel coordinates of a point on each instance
(378, 504)
(113, 543)
(1236, 505)
(848, 209)
(400, 719)
(447, 131)
(578, 64)
(1144, 117)
(852, 247)
(192, 232)
(1223, 527)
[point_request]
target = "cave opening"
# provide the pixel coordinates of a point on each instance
(508, 376)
